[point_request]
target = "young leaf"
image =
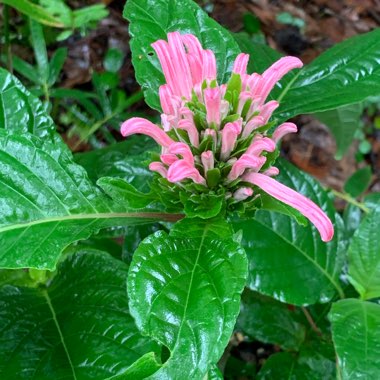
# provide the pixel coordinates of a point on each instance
(48, 202)
(151, 21)
(78, 327)
(306, 269)
(21, 112)
(113, 60)
(356, 335)
(364, 257)
(40, 52)
(56, 64)
(359, 181)
(343, 123)
(35, 12)
(184, 291)
(345, 74)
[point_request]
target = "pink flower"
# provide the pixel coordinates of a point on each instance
(207, 125)
(304, 205)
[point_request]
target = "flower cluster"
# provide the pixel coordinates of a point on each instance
(217, 135)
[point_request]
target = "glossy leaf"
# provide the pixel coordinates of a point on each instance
(364, 257)
(22, 112)
(359, 181)
(128, 160)
(306, 269)
(184, 291)
(151, 20)
(356, 335)
(47, 202)
(343, 123)
(347, 73)
(79, 327)
(270, 321)
(56, 64)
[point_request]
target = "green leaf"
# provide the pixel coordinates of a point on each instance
(127, 160)
(56, 63)
(345, 74)
(270, 321)
(48, 202)
(40, 52)
(306, 269)
(113, 60)
(34, 11)
(364, 257)
(356, 335)
(23, 68)
(85, 16)
(359, 181)
(79, 327)
(307, 366)
(21, 112)
(343, 123)
(184, 291)
(152, 20)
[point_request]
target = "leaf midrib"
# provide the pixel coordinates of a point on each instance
(56, 323)
(322, 270)
(121, 215)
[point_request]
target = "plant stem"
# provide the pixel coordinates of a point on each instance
(351, 200)
(7, 45)
(311, 321)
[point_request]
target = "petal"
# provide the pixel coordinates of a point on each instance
(145, 127)
(182, 170)
(283, 130)
(289, 196)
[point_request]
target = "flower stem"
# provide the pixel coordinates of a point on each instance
(351, 200)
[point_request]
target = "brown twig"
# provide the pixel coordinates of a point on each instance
(311, 321)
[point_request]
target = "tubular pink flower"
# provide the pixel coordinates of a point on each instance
(230, 133)
(255, 122)
(272, 171)
(159, 168)
(290, 197)
(145, 127)
(253, 83)
(259, 145)
(168, 158)
(242, 193)
(275, 72)
(209, 65)
(283, 130)
(207, 159)
(183, 150)
(267, 109)
(166, 99)
(240, 64)
(245, 162)
(212, 101)
(181, 169)
(192, 131)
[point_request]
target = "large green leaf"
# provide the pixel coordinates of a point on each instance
(127, 160)
(78, 327)
(151, 20)
(270, 321)
(290, 262)
(364, 257)
(184, 291)
(347, 73)
(20, 111)
(343, 123)
(47, 202)
(356, 335)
